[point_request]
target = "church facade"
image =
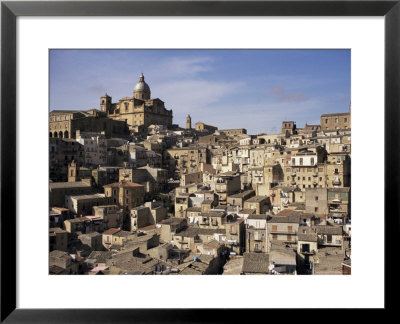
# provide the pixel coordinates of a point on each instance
(139, 110)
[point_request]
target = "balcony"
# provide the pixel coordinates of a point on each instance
(258, 250)
(307, 252)
(233, 242)
(286, 232)
(336, 182)
(233, 233)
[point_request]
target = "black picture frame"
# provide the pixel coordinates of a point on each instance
(10, 10)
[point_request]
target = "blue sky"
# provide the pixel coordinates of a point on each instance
(252, 89)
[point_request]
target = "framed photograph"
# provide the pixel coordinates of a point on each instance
(233, 91)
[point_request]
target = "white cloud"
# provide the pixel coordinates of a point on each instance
(191, 95)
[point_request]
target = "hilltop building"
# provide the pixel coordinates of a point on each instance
(139, 110)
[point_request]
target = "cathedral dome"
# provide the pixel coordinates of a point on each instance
(141, 85)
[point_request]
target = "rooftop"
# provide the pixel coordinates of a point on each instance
(91, 196)
(111, 231)
(308, 237)
(255, 263)
(123, 184)
(336, 114)
(257, 216)
(76, 184)
(242, 194)
(294, 219)
(329, 229)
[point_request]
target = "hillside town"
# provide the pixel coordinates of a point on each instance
(132, 193)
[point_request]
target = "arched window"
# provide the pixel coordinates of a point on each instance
(66, 134)
(51, 134)
(55, 134)
(60, 134)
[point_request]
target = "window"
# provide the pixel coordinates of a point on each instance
(316, 209)
(301, 161)
(289, 228)
(305, 248)
(312, 161)
(345, 119)
(289, 237)
(326, 122)
(329, 238)
(336, 120)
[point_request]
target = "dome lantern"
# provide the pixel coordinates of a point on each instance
(142, 89)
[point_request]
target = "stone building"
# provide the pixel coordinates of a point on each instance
(261, 204)
(139, 110)
(288, 128)
(65, 123)
(235, 235)
(58, 191)
(256, 234)
(83, 204)
(335, 121)
(61, 153)
(283, 227)
(58, 239)
(233, 132)
(95, 146)
(239, 199)
(188, 122)
(202, 127)
(179, 161)
(127, 195)
(111, 215)
(316, 201)
(226, 184)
